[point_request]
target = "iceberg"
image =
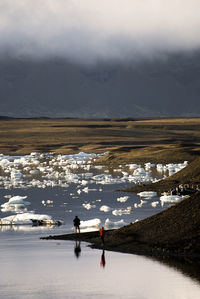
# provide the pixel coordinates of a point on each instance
(170, 199)
(29, 219)
(105, 208)
(147, 194)
(92, 223)
(119, 212)
(15, 204)
(114, 224)
(123, 198)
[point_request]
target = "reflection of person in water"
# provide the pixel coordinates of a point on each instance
(77, 248)
(103, 261)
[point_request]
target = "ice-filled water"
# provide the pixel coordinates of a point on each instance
(62, 186)
(57, 187)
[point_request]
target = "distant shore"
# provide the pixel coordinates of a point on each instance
(124, 140)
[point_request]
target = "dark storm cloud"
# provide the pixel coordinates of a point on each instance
(90, 30)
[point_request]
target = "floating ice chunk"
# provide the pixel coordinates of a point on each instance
(147, 194)
(93, 223)
(88, 206)
(86, 190)
(142, 202)
(15, 204)
(84, 182)
(161, 167)
(123, 198)
(114, 224)
(134, 166)
(119, 212)
(98, 166)
(7, 196)
(105, 208)
(139, 171)
(149, 165)
(24, 218)
(169, 199)
(154, 204)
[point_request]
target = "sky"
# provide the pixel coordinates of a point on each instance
(88, 31)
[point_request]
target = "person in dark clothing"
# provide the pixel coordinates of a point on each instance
(77, 223)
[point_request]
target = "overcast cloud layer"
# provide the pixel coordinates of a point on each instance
(91, 30)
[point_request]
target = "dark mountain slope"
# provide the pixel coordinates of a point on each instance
(60, 89)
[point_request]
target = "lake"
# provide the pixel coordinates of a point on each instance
(61, 187)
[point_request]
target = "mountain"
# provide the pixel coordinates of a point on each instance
(57, 88)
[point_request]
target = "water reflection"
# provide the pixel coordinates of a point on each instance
(77, 248)
(190, 267)
(103, 261)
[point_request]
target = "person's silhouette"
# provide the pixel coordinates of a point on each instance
(77, 223)
(77, 248)
(103, 261)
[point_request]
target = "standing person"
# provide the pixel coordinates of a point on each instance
(102, 234)
(77, 223)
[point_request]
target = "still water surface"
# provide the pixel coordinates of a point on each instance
(33, 268)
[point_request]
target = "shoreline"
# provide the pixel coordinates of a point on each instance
(136, 247)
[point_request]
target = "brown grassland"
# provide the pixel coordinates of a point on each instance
(159, 140)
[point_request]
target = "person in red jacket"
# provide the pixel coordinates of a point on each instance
(102, 234)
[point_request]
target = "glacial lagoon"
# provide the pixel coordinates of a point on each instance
(60, 187)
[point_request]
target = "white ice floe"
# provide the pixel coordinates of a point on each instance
(147, 194)
(114, 224)
(123, 198)
(154, 204)
(149, 165)
(172, 168)
(88, 206)
(119, 212)
(25, 219)
(87, 190)
(105, 208)
(133, 166)
(142, 202)
(93, 223)
(51, 170)
(170, 199)
(15, 204)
